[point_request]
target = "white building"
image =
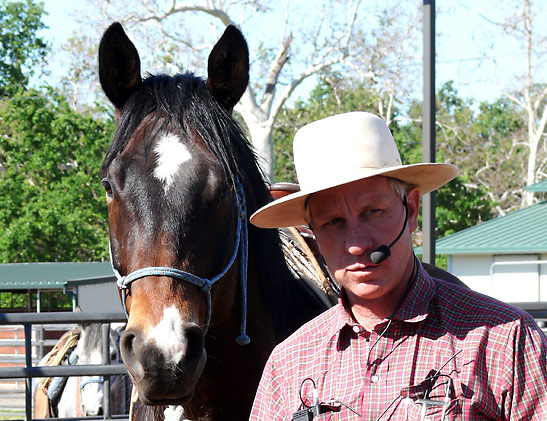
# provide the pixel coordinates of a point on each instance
(504, 257)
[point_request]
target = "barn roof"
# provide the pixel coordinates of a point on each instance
(53, 275)
(538, 187)
(521, 231)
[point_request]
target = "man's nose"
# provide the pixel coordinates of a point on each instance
(358, 240)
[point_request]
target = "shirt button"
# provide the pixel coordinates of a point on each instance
(374, 379)
(356, 329)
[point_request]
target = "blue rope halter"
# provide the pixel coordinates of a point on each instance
(99, 380)
(241, 242)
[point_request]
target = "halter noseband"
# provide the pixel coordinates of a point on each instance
(241, 242)
(98, 379)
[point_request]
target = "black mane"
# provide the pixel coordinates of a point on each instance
(93, 334)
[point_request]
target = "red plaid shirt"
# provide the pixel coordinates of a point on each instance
(474, 357)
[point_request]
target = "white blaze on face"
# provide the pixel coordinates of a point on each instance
(169, 336)
(171, 153)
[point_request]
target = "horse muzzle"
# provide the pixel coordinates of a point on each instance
(164, 373)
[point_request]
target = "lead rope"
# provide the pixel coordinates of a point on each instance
(243, 339)
(134, 400)
(174, 413)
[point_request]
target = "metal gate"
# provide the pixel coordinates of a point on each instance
(29, 371)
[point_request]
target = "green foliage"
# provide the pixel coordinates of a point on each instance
(20, 46)
(53, 206)
(23, 301)
(463, 202)
(459, 206)
(486, 142)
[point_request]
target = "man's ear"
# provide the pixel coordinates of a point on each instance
(413, 200)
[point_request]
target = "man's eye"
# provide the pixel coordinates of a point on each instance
(333, 222)
(372, 212)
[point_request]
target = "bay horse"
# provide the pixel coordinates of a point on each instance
(207, 294)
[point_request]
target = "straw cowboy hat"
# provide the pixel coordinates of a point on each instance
(341, 149)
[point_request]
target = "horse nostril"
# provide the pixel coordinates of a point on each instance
(127, 341)
(131, 347)
(194, 337)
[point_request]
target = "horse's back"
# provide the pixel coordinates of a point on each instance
(439, 273)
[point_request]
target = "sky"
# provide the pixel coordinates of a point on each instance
(466, 47)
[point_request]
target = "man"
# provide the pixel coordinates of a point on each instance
(399, 345)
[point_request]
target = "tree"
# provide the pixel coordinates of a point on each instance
(525, 25)
(482, 141)
(20, 46)
(388, 56)
(53, 206)
(187, 29)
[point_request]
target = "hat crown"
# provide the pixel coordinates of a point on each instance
(331, 148)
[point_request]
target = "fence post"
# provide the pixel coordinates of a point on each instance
(105, 331)
(28, 363)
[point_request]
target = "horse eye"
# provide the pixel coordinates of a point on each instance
(108, 188)
(113, 356)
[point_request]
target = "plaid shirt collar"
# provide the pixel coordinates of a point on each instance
(414, 306)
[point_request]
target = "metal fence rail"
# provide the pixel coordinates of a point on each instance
(28, 372)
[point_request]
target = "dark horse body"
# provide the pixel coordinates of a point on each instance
(171, 175)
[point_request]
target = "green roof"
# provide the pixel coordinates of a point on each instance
(521, 231)
(538, 187)
(53, 275)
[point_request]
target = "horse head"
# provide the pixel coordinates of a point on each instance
(173, 208)
(83, 396)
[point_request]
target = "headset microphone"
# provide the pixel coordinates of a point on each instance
(383, 252)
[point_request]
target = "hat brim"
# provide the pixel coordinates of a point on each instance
(290, 210)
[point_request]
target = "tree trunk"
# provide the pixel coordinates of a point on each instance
(260, 133)
(531, 172)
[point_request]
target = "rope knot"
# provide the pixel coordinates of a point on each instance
(243, 340)
(121, 284)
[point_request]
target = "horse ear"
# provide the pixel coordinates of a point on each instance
(228, 68)
(119, 65)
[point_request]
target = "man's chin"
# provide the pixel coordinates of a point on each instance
(365, 291)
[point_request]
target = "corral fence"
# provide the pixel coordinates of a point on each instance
(29, 371)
